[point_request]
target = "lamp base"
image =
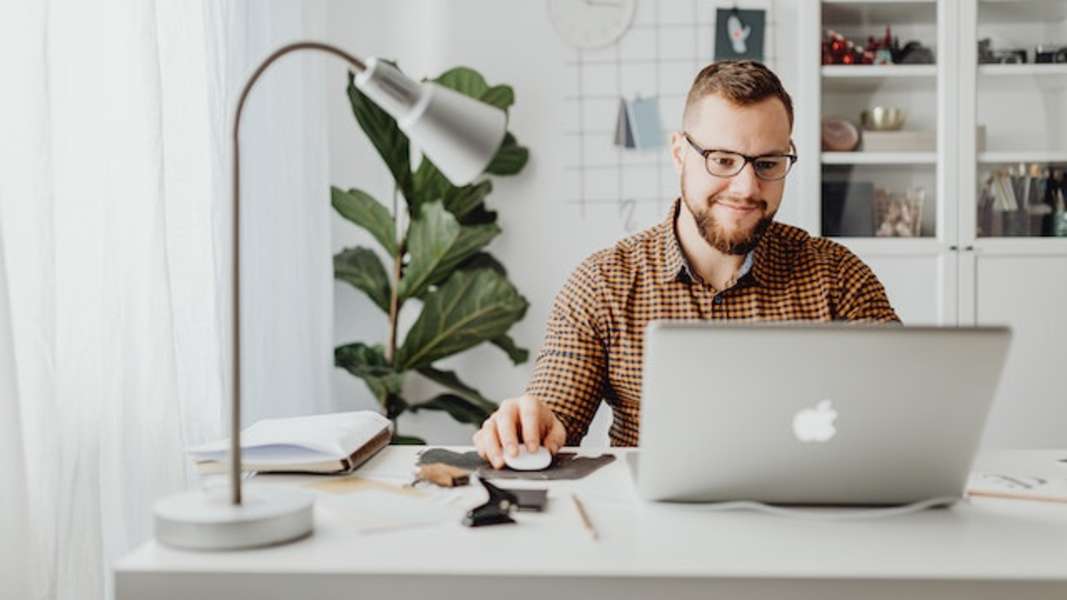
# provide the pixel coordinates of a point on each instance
(198, 520)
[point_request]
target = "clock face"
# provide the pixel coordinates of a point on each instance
(591, 23)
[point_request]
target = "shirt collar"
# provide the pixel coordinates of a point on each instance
(676, 267)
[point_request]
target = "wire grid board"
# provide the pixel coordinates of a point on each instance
(667, 44)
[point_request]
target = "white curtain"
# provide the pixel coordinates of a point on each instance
(115, 263)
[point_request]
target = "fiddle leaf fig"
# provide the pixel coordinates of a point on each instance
(369, 364)
(464, 80)
(516, 354)
(500, 96)
(362, 268)
(510, 158)
(441, 259)
(450, 380)
(460, 201)
(363, 210)
(470, 308)
(438, 245)
(460, 408)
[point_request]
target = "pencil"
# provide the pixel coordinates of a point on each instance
(584, 516)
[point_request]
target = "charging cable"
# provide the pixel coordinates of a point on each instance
(818, 514)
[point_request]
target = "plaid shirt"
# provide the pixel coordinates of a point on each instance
(595, 333)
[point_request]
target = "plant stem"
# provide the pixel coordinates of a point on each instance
(394, 297)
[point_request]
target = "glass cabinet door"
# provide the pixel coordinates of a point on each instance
(879, 91)
(1021, 118)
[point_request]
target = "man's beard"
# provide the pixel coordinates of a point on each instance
(737, 242)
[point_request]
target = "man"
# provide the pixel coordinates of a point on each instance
(718, 255)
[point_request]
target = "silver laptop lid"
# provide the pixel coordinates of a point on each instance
(813, 413)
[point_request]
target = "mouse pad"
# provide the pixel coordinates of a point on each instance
(565, 465)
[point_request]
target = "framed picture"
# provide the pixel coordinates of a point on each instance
(739, 33)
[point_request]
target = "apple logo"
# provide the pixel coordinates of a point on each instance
(815, 424)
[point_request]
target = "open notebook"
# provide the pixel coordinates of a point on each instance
(331, 443)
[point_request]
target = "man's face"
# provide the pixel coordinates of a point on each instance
(732, 213)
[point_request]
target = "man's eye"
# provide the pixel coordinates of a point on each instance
(724, 161)
(766, 165)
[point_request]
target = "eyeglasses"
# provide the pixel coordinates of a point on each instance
(724, 163)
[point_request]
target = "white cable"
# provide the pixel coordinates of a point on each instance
(837, 515)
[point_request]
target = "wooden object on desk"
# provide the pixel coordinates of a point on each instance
(587, 524)
(443, 475)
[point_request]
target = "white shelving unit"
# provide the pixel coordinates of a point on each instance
(845, 90)
(960, 275)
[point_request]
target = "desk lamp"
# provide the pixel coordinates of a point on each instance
(460, 135)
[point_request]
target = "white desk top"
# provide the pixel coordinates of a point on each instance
(979, 539)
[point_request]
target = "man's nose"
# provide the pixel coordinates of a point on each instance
(745, 184)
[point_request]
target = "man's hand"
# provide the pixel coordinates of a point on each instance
(524, 420)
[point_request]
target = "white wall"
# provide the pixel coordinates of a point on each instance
(544, 238)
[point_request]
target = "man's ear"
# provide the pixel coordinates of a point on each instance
(678, 149)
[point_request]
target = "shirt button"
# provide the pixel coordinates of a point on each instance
(718, 299)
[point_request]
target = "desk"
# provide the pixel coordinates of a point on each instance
(981, 548)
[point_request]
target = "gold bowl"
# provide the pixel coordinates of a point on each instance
(882, 118)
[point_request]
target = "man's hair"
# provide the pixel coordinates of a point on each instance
(742, 82)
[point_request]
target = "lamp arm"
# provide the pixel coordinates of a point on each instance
(235, 408)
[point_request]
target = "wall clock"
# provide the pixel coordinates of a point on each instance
(591, 23)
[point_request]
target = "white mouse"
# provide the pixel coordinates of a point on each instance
(529, 461)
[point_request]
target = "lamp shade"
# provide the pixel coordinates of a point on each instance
(459, 134)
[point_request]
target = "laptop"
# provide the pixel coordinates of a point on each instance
(802, 413)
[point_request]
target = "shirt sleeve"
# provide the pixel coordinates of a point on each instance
(571, 368)
(859, 294)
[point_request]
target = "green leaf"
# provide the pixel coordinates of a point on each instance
(470, 308)
(362, 268)
(510, 158)
(368, 363)
(384, 134)
(479, 216)
(363, 210)
(483, 260)
(517, 355)
(461, 409)
(465, 81)
(407, 440)
(461, 200)
(438, 244)
(500, 96)
(430, 184)
(450, 380)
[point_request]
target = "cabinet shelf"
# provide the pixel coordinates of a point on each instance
(879, 158)
(846, 13)
(879, 71)
(1023, 70)
(1022, 157)
(867, 78)
(999, 12)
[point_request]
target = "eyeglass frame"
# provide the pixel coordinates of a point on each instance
(704, 152)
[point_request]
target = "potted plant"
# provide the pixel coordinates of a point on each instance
(439, 260)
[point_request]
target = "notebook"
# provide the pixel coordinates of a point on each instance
(330, 443)
(1017, 487)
